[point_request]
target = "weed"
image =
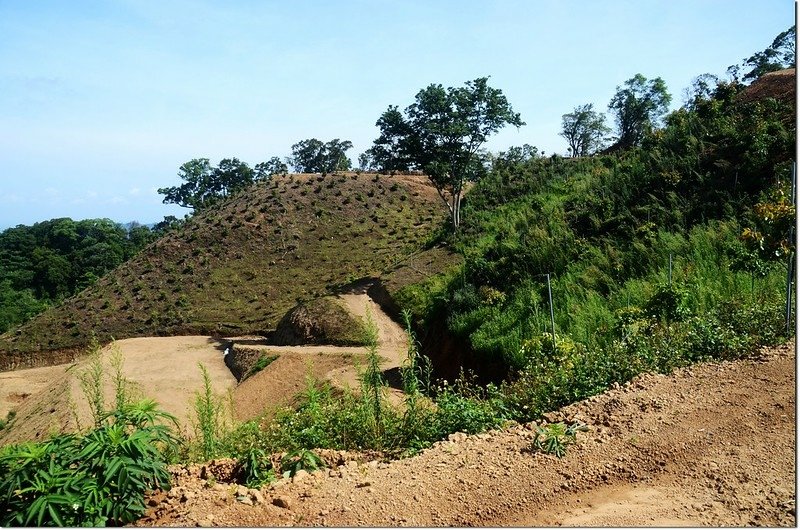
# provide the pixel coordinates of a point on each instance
(298, 459)
(256, 468)
(91, 381)
(209, 422)
(372, 383)
(555, 437)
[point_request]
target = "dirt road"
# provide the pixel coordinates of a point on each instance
(709, 445)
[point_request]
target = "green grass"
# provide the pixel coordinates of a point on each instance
(262, 362)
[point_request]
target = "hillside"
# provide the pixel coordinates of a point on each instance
(238, 268)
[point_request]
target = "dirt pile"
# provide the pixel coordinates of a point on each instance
(710, 445)
(319, 321)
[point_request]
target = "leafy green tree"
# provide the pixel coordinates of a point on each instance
(366, 161)
(441, 133)
(777, 56)
(637, 107)
(205, 185)
(584, 129)
(170, 222)
(230, 175)
(314, 156)
(17, 306)
(273, 166)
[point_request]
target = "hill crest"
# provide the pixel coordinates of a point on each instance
(239, 267)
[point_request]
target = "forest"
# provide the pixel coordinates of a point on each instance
(43, 264)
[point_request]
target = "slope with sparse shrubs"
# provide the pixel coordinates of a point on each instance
(238, 268)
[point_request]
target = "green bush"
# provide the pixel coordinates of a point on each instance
(95, 479)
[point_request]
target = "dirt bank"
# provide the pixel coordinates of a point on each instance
(711, 445)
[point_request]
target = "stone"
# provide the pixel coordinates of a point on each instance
(457, 437)
(282, 502)
(300, 476)
(257, 496)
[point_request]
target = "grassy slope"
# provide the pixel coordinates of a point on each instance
(238, 268)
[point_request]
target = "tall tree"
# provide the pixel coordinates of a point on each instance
(205, 185)
(637, 107)
(273, 166)
(584, 129)
(442, 132)
(314, 156)
(778, 55)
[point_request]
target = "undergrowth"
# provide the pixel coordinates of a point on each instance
(96, 477)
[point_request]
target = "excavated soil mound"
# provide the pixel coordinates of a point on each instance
(710, 445)
(321, 321)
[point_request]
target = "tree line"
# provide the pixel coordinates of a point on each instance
(443, 131)
(43, 264)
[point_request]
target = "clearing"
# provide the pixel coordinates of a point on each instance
(47, 399)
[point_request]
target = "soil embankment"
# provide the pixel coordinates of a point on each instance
(710, 445)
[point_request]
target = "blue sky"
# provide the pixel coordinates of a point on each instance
(101, 102)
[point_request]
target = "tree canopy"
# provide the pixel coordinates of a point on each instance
(585, 130)
(315, 156)
(49, 261)
(777, 56)
(441, 133)
(638, 107)
(205, 185)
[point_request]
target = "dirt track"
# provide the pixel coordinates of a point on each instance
(710, 445)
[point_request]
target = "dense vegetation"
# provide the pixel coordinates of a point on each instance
(659, 256)
(43, 264)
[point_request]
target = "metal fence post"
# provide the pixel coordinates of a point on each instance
(552, 318)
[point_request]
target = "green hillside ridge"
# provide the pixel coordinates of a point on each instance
(239, 267)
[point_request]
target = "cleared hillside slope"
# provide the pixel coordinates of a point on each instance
(238, 268)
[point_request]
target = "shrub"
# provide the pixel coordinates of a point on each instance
(96, 479)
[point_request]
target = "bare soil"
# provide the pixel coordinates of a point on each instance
(710, 445)
(47, 400)
(161, 368)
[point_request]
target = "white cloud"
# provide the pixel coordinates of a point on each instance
(135, 191)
